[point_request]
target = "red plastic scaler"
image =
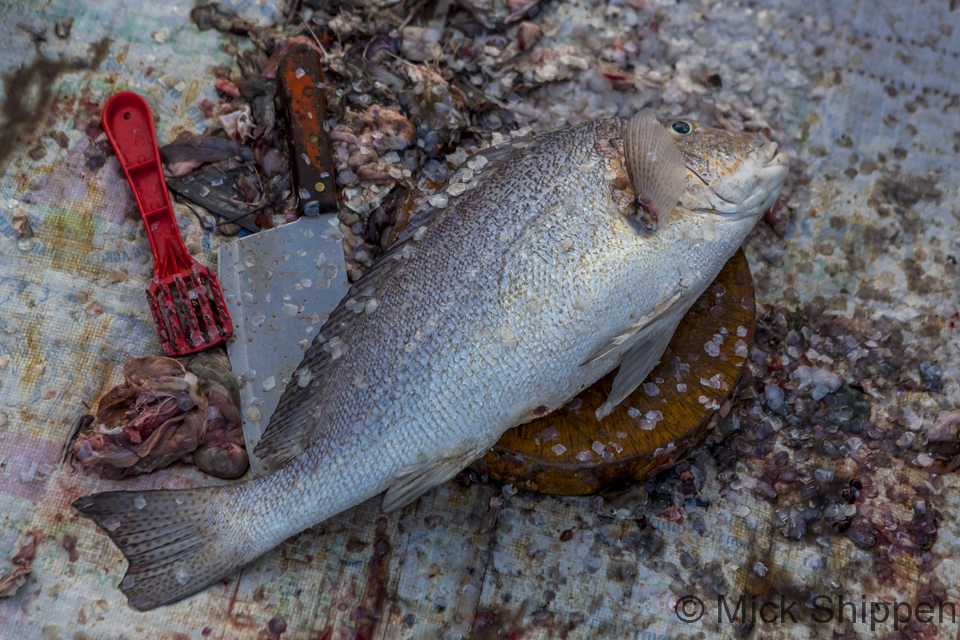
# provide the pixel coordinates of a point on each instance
(185, 297)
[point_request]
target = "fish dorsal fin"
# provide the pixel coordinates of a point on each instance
(415, 479)
(296, 420)
(655, 167)
(299, 415)
(293, 423)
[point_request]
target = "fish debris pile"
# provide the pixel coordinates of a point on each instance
(412, 91)
(164, 412)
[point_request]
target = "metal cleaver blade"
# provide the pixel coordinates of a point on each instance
(280, 286)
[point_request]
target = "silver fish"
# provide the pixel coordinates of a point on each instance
(516, 288)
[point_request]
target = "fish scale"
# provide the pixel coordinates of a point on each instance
(452, 353)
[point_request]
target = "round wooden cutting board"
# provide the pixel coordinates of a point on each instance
(569, 452)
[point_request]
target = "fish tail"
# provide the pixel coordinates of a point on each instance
(177, 542)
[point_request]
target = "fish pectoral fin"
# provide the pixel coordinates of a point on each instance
(655, 167)
(413, 480)
(642, 357)
(634, 332)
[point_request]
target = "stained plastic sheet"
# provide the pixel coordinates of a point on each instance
(866, 95)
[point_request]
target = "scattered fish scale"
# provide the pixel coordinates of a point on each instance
(828, 425)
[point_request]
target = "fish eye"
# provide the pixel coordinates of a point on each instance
(682, 127)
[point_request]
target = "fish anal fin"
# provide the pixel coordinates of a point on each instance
(635, 331)
(643, 355)
(413, 480)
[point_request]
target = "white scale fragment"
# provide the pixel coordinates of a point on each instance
(284, 280)
(740, 349)
(438, 200)
(304, 377)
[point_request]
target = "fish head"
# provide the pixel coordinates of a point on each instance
(729, 173)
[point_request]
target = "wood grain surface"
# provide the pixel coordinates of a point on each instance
(569, 452)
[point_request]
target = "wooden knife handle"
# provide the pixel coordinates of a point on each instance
(301, 87)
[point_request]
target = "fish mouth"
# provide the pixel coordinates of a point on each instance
(777, 163)
(773, 175)
(760, 178)
(768, 151)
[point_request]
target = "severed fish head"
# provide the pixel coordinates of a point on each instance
(730, 173)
